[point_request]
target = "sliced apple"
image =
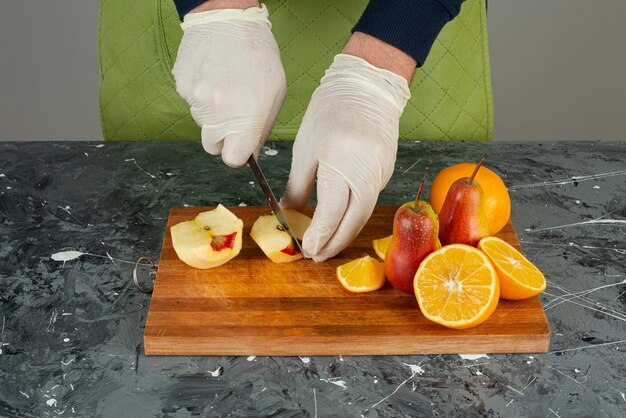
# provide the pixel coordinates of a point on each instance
(210, 240)
(275, 242)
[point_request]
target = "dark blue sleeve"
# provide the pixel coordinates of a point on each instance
(185, 6)
(409, 25)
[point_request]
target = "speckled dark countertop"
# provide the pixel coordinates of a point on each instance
(71, 332)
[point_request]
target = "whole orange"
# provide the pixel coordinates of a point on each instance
(497, 200)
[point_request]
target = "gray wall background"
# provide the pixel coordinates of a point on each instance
(558, 69)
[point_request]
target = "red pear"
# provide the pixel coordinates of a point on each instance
(415, 235)
(462, 217)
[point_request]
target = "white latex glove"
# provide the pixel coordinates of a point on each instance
(228, 69)
(349, 136)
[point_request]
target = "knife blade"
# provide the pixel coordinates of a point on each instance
(269, 195)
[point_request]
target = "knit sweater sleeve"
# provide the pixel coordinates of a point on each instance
(409, 25)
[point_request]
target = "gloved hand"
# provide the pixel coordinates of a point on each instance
(228, 69)
(349, 136)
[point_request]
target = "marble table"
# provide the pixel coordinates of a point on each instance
(71, 331)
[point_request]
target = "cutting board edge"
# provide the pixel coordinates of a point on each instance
(528, 344)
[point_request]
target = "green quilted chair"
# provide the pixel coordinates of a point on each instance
(451, 94)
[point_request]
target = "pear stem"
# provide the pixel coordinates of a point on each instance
(421, 189)
(480, 163)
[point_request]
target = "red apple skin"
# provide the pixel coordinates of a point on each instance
(291, 249)
(219, 242)
(415, 232)
(462, 217)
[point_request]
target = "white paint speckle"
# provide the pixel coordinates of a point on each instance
(86, 155)
(251, 182)
(271, 152)
(577, 370)
(51, 402)
(9, 187)
(66, 255)
(578, 202)
(415, 368)
(479, 373)
(251, 358)
(375, 380)
(66, 340)
(335, 381)
(472, 356)
(305, 360)
(2, 175)
(596, 187)
(243, 204)
(215, 373)
(169, 174)
(100, 146)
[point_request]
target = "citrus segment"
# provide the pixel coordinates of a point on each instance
(457, 287)
(381, 246)
(519, 278)
(362, 275)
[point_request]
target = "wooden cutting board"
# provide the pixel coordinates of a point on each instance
(251, 306)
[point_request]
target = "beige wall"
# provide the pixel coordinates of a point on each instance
(558, 69)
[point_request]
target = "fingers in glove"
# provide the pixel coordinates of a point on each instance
(354, 219)
(240, 144)
(332, 199)
(212, 140)
(301, 177)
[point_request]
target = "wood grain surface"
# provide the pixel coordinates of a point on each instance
(251, 306)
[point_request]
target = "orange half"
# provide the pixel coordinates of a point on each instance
(457, 286)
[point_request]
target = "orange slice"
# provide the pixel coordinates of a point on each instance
(519, 278)
(362, 275)
(457, 286)
(381, 246)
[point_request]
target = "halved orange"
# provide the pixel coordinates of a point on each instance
(457, 286)
(364, 274)
(519, 278)
(381, 246)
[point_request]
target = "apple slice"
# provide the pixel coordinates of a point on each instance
(210, 240)
(275, 242)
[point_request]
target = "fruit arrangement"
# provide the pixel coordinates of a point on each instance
(457, 285)
(443, 252)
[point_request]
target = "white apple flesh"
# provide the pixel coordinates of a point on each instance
(210, 240)
(275, 242)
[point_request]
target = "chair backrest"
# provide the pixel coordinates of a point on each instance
(450, 95)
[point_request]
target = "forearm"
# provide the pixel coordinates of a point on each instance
(381, 54)
(186, 6)
(408, 25)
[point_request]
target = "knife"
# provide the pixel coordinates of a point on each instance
(269, 195)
